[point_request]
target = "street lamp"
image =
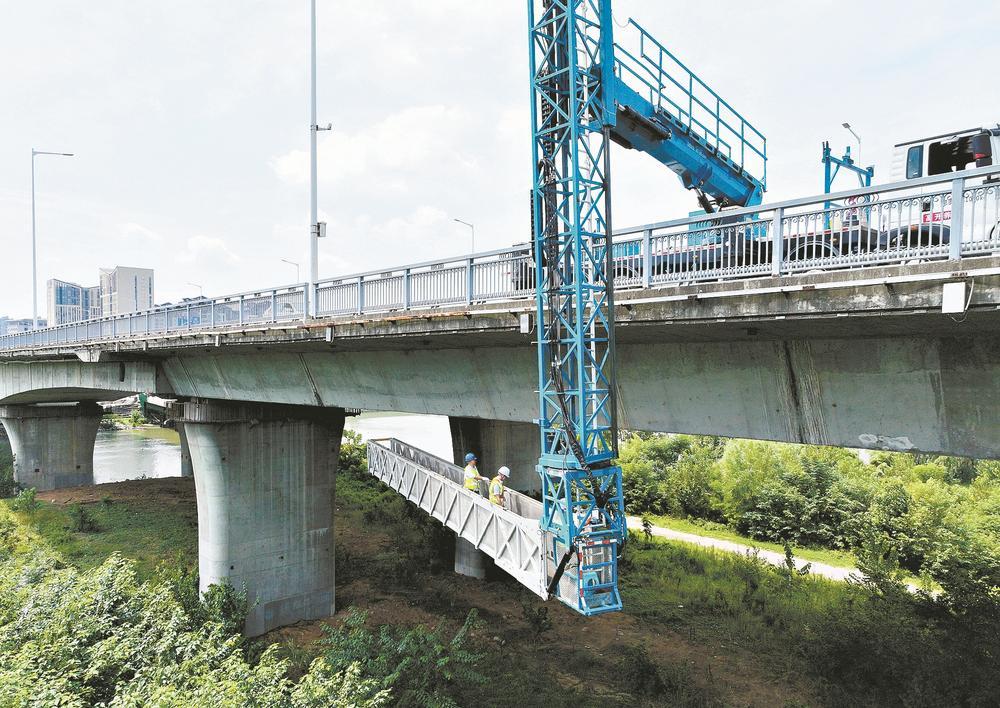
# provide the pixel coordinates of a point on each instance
(34, 250)
(856, 137)
(285, 260)
(316, 229)
(466, 223)
(201, 290)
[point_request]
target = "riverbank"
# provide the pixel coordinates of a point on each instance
(701, 627)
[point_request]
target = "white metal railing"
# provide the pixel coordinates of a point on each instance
(514, 540)
(885, 224)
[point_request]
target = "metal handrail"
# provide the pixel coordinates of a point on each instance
(644, 256)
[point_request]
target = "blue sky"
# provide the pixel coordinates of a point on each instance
(189, 122)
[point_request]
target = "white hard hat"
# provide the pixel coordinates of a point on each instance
(504, 471)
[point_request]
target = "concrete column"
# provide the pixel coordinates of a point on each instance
(497, 443)
(264, 479)
(187, 469)
(53, 445)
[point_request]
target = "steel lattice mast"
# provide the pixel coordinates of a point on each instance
(572, 113)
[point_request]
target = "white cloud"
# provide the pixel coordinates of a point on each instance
(413, 140)
(206, 251)
(137, 232)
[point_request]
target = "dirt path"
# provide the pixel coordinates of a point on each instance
(833, 572)
(773, 557)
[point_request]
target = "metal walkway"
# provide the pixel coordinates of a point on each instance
(509, 535)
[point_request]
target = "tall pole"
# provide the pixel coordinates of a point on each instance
(34, 240)
(313, 171)
(34, 250)
(473, 228)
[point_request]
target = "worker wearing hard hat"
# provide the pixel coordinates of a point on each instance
(472, 476)
(498, 486)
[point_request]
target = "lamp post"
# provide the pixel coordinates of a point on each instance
(316, 229)
(201, 290)
(856, 137)
(293, 263)
(473, 228)
(34, 248)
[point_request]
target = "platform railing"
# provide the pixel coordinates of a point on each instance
(646, 66)
(897, 223)
(513, 540)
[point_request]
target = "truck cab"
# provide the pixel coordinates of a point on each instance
(938, 155)
(948, 152)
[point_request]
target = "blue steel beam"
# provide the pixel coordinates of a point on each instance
(570, 42)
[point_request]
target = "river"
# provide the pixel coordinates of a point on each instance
(155, 452)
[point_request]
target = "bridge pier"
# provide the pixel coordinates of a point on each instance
(499, 442)
(264, 479)
(187, 469)
(496, 443)
(53, 445)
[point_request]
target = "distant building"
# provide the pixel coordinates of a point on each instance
(9, 326)
(69, 302)
(126, 290)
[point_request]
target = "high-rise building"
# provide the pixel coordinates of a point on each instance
(69, 302)
(126, 290)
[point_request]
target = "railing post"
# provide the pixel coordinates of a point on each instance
(241, 309)
(777, 241)
(406, 289)
(647, 257)
(211, 315)
(305, 303)
(147, 323)
(957, 219)
(361, 294)
(470, 281)
(189, 317)
(274, 305)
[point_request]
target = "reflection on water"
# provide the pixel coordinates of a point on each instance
(136, 454)
(156, 452)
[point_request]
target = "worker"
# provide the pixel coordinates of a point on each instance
(472, 476)
(498, 486)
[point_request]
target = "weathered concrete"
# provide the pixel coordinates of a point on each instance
(74, 380)
(498, 443)
(53, 445)
(936, 395)
(469, 560)
(264, 478)
(187, 469)
(466, 437)
(859, 358)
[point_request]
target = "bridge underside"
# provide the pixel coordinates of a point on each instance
(855, 359)
(937, 395)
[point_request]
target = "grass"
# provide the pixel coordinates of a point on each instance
(838, 559)
(149, 532)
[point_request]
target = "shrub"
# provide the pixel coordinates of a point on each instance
(81, 520)
(422, 666)
(25, 501)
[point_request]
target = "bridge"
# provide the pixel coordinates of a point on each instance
(866, 318)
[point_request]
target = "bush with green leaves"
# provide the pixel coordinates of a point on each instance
(101, 637)
(81, 520)
(423, 667)
(25, 500)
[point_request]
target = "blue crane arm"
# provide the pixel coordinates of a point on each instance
(665, 110)
(641, 126)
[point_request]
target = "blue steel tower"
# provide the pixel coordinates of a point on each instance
(571, 70)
